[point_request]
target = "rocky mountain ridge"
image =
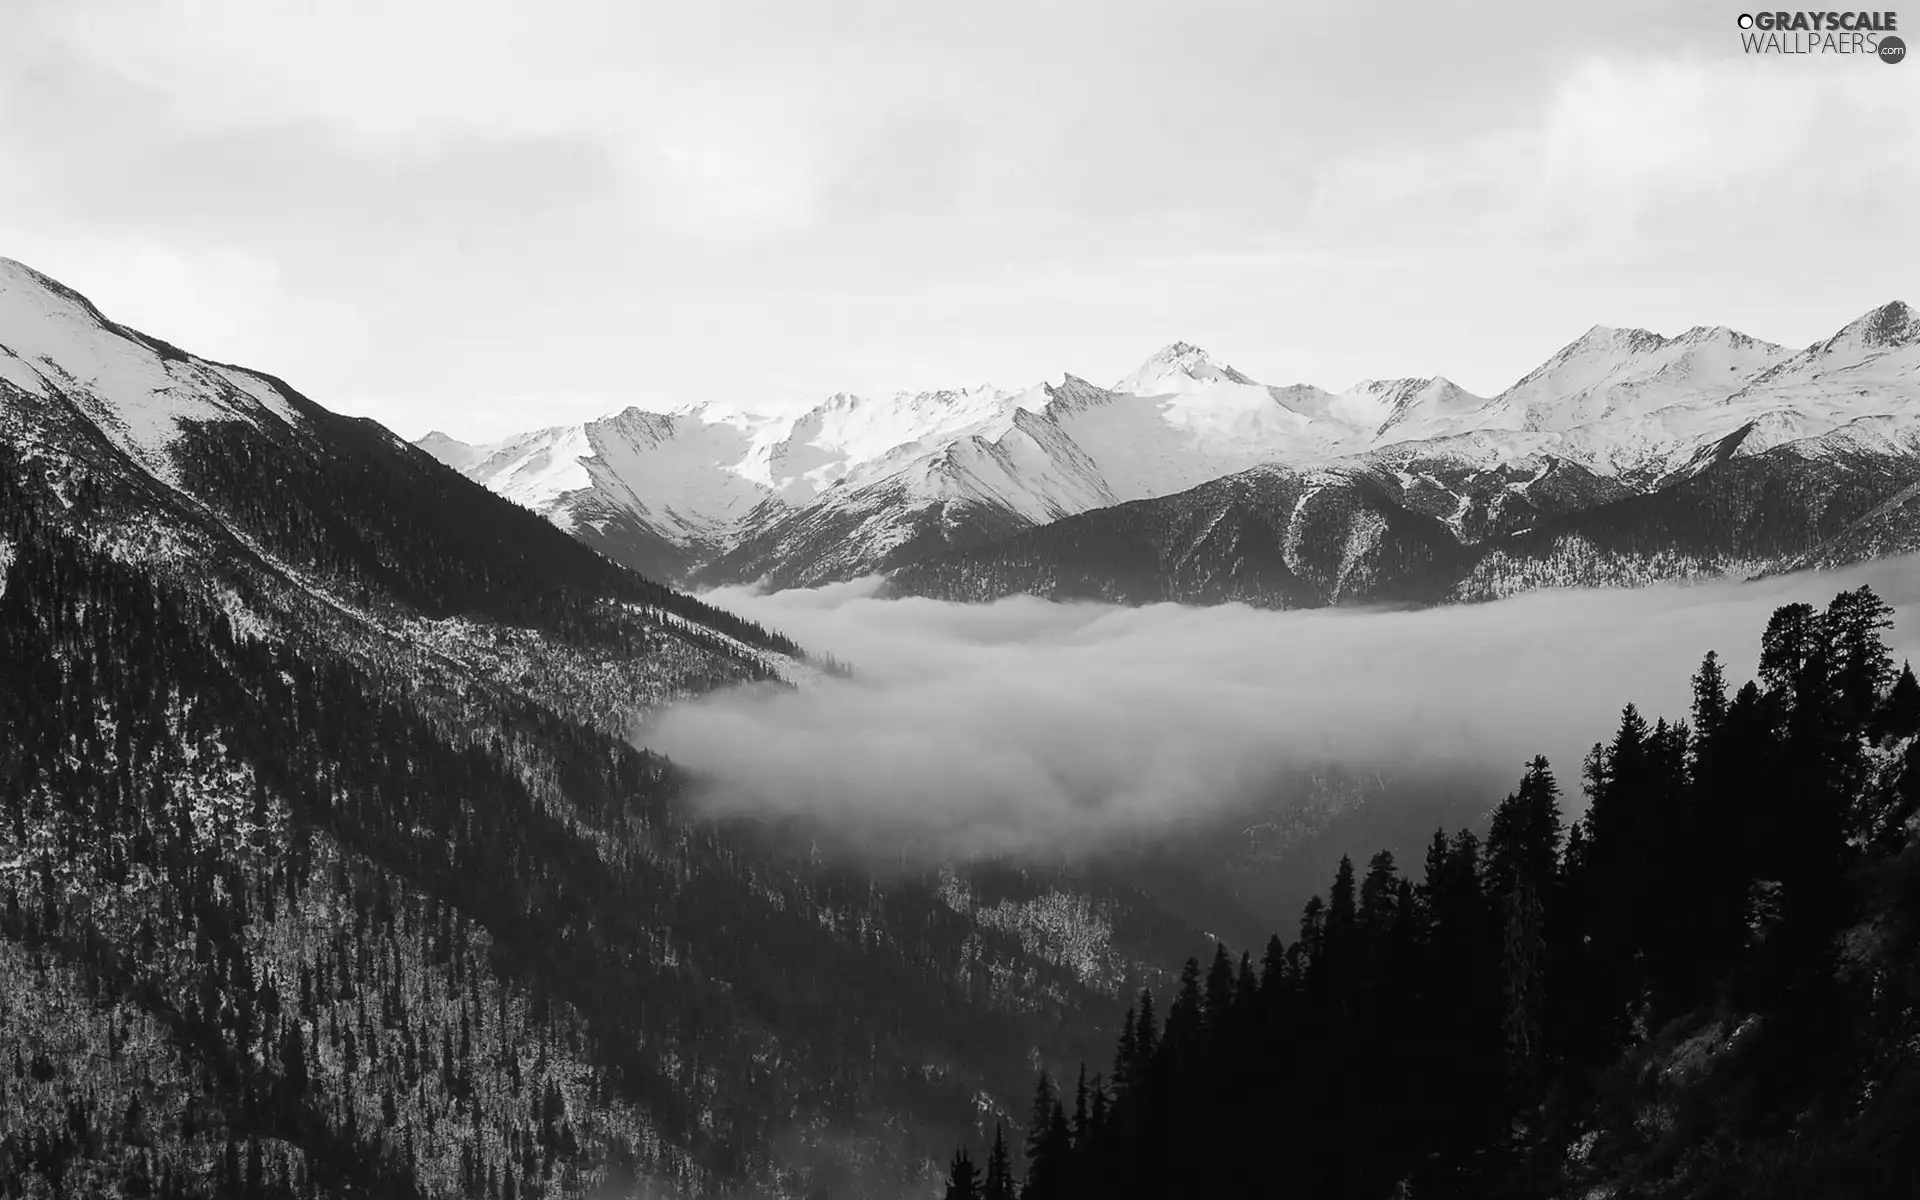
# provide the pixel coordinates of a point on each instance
(863, 485)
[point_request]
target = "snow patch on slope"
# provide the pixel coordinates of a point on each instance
(1364, 532)
(18, 372)
(1626, 404)
(135, 389)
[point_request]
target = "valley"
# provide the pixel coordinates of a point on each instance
(332, 866)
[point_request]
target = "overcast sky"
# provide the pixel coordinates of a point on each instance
(486, 216)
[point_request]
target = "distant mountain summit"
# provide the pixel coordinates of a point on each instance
(1180, 367)
(1891, 327)
(873, 484)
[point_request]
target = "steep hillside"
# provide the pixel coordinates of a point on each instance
(1269, 536)
(326, 866)
(1705, 985)
(1421, 531)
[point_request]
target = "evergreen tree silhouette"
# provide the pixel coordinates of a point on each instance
(1041, 1164)
(1184, 1014)
(1861, 663)
(1082, 1116)
(999, 1183)
(963, 1178)
(1217, 1000)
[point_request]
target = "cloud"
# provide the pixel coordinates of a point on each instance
(1027, 726)
(213, 302)
(752, 202)
(1635, 155)
(733, 159)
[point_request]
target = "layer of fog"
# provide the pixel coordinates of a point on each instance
(1028, 725)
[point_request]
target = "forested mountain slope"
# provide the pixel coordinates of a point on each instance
(1277, 537)
(326, 867)
(1705, 986)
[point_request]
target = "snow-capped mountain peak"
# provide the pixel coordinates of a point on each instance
(1716, 335)
(1892, 326)
(644, 427)
(859, 483)
(1603, 347)
(450, 450)
(1419, 408)
(1177, 368)
(1618, 375)
(137, 389)
(1073, 394)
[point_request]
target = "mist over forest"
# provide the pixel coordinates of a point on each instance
(1034, 728)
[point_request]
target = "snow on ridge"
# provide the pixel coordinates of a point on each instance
(1179, 367)
(707, 476)
(538, 468)
(258, 390)
(1614, 400)
(21, 373)
(450, 450)
(1891, 326)
(136, 389)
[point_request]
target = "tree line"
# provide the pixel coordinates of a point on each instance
(1674, 986)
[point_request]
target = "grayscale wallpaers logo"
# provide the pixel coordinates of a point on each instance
(1867, 34)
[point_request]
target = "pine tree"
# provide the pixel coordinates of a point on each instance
(1039, 1121)
(1434, 870)
(1051, 1172)
(1525, 958)
(1246, 985)
(1709, 697)
(1307, 949)
(1273, 966)
(963, 1179)
(1379, 895)
(998, 1184)
(1861, 663)
(1341, 907)
(1523, 840)
(1125, 1055)
(1793, 654)
(1218, 998)
(1146, 1038)
(1184, 1014)
(1900, 715)
(1082, 1118)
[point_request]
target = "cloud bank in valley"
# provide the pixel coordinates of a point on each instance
(1029, 725)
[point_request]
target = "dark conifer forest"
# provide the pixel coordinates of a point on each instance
(1705, 986)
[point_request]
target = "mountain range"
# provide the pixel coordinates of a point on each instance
(1625, 456)
(328, 866)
